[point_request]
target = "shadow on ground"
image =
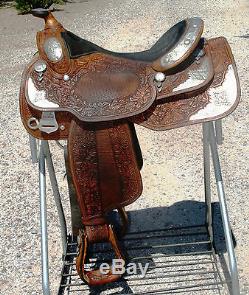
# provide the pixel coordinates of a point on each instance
(174, 241)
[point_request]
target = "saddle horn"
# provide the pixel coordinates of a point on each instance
(51, 46)
(40, 12)
(50, 20)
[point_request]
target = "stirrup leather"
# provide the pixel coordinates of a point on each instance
(124, 221)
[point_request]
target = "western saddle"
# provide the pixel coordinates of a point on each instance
(75, 90)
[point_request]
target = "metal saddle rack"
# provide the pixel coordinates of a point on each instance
(181, 259)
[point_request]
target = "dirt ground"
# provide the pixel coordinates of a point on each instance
(172, 160)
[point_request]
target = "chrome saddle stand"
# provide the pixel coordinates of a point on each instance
(212, 137)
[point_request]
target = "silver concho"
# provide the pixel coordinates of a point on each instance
(40, 66)
(160, 77)
(53, 49)
(187, 41)
(66, 77)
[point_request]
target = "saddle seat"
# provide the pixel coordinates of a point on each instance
(96, 84)
(169, 51)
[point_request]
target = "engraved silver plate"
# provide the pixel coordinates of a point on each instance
(221, 97)
(38, 97)
(48, 122)
(195, 77)
(191, 36)
(53, 49)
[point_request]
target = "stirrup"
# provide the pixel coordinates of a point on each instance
(95, 277)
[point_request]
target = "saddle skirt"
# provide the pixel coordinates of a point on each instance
(219, 99)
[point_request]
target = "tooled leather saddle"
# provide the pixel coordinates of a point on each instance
(75, 90)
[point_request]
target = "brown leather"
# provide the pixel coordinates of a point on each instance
(95, 109)
(95, 277)
(171, 112)
(177, 111)
(97, 92)
(53, 29)
(106, 90)
(106, 176)
(104, 167)
(102, 87)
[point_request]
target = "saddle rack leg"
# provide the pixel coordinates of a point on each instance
(45, 157)
(207, 184)
(57, 197)
(43, 221)
(211, 137)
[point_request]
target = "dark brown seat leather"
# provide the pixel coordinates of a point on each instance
(179, 33)
(75, 90)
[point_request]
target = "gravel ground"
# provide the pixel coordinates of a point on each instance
(173, 168)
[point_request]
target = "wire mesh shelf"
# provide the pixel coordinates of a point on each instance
(181, 260)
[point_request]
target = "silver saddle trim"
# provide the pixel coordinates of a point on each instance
(47, 123)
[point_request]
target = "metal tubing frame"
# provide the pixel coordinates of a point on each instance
(212, 136)
(207, 183)
(57, 197)
(43, 221)
(33, 149)
(45, 157)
